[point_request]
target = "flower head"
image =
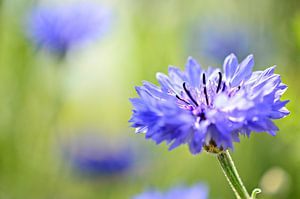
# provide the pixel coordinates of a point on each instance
(61, 27)
(198, 191)
(209, 109)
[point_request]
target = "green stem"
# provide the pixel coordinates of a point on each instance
(232, 175)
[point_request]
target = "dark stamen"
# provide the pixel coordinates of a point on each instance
(224, 86)
(189, 94)
(205, 90)
(220, 81)
(204, 80)
(182, 99)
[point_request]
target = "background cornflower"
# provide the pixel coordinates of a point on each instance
(198, 191)
(59, 28)
(95, 155)
(215, 39)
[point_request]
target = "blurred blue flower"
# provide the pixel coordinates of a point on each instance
(61, 27)
(96, 155)
(209, 108)
(215, 40)
(198, 191)
(218, 44)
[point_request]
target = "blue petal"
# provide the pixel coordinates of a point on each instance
(193, 69)
(269, 71)
(279, 104)
(279, 114)
(165, 82)
(263, 125)
(230, 66)
(243, 72)
(176, 75)
(137, 103)
(154, 90)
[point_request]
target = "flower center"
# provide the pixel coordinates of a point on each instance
(198, 100)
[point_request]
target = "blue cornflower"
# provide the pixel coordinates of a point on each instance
(211, 108)
(59, 28)
(215, 40)
(91, 154)
(216, 44)
(198, 191)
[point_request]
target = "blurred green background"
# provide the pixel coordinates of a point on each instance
(45, 102)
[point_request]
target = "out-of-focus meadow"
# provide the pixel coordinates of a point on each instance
(64, 129)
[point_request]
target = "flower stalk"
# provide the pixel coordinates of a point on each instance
(232, 175)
